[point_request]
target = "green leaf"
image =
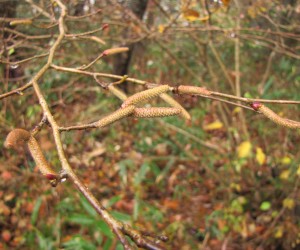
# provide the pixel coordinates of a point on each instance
(265, 206)
(88, 207)
(248, 95)
(108, 244)
(11, 51)
(268, 85)
(78, 243)
(113, 200)
(136, 208)
(141, 174)
(36, 210)
(81, 219)
(123, 165)
(119, 247)
(43, 242)
(121, 216)
(104, 228)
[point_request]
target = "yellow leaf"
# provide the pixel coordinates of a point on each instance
(161, 28)
(288, 203)
(190, 15)
(236, 110)
(262, 9)
(213, 126)
(252, 12)
(235, 186)
(298, 171)
(244, 149)
(286, 160)
(203, 19)
(278, 233)
(284, 175)
(260, 156)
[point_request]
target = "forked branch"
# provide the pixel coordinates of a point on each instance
(131, 107)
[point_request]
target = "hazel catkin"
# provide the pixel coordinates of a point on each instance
(171, 101)
(145, 95)
(278, 119)
(155, 112)
(115, 116)
(192, 90)
(19, 137)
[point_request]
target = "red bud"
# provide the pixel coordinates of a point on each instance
(105, 26)
(51, 176)
(255, 105)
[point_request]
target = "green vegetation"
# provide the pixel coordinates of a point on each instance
(230, 178)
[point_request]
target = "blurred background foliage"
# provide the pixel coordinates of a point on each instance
(229, 180)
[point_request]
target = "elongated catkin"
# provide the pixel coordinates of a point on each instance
(277, 119)
(113, 51)
(18, 137)
(192, 90)
(145, 95)
(257, 106)
(21, 22)
(155, 112)
(171, 101)
(115, 116)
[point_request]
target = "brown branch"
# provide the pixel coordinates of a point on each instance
(25, 60)
(117, 227)
(250, 100)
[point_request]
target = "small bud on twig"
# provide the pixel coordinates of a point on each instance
(105, 26)
(255, 105)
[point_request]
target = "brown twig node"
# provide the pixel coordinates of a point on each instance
(257, 106)
(18, 137)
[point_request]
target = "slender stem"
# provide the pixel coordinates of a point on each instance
(250, 100)
(237, 53)
(114, 224)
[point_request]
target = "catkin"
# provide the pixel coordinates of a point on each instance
(170, 100)
(113, 51)
(117, 92)
(145, 95)
(117, 115)
(155, 112)
(20, 22)
(277, 119)
(19, 137)
(192, 90)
